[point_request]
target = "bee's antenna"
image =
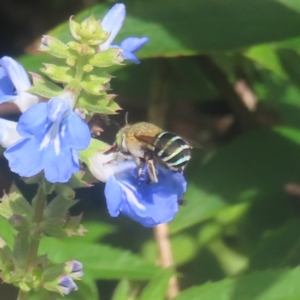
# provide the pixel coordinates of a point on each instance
(126, 118)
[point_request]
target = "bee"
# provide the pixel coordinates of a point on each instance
(149, 143)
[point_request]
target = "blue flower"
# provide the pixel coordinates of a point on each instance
(51, 136)
(148, 204)
(77, 269)
(14, 83)
(112, 23)
(66, 285)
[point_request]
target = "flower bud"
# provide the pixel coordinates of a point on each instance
(95, 87)
(18, 222)
(55, 47)
(58, 74)
(89, 31)
(81, 49)
(107, 58)
(74, 269)
(66, 285)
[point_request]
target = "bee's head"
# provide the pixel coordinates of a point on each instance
(120, 142)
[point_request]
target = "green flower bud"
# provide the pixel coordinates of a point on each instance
(81, 49)
(55, 47)
(18, 222)
(88, 68)
(95, 85)
(58, 74)
(107, 58)
(71, 62)
(89, 31)
(75, 29)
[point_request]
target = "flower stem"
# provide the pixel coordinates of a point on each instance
(79, 68)
(23, 295)
(38, 203)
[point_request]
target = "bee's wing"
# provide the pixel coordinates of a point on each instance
(192, 143)
(146, 139)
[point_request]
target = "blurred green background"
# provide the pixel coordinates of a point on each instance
(225, 73)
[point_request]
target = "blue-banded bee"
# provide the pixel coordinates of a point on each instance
(150, 144)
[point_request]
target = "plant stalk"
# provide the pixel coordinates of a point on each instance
(39, 204)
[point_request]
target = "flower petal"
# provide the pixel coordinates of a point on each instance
(8, 98)
(59, 167)
(25, 100)
(133, 44)
(102, 166)
(78, 134)
(130, 57)
(66, 285)
(8, 133)
(112, 22)
(33, 122)
(58, 109)
(16, 73)
(114, 196)
(24, 157)
(148, 204)
(6, 85)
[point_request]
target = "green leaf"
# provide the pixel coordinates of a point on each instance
(289, 133)
(191, 27)
(58, 207)
(44, 88)
(97, 259)
(200, 206)
(267, 56)
(15, 203)
(157, 287)
(267, 285)
(249, 169)
(277, 248)
(122, 290)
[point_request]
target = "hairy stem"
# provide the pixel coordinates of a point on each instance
(162, 238)
(157, 112)
(23, 295)
(39, 202)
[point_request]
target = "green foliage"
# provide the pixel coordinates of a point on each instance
(266, 285)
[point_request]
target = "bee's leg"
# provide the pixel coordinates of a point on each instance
(140, 162)
(152, 171)
(182, 202)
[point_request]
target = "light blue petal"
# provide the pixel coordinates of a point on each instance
(133, 44)
(130, 57)
(112, 22)
(34, 121)
(24, 158)
(114, 196)
(8, 98)
(58, 109)
(148, 204)
(59, 167)
(78, 134)
(6, 85)
(16, 73)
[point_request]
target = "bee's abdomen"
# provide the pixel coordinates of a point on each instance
(173, 150)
